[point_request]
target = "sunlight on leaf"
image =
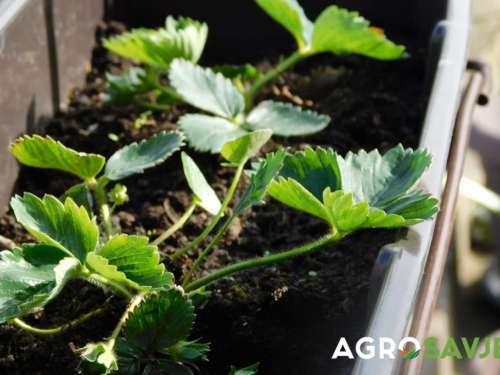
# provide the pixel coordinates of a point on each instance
(204, 89)
(137, 157)
(204, 193)
(207, 133)
(46, 153)
(182, 38)
(246, 146)
(290, 14)
(31, 277)
(339, 31)
(67, 227)
(285, 119)
(129, 260)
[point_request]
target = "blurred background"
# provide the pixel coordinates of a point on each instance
(469, 301)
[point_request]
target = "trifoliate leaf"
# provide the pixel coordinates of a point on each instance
(285, 119)
(362, 191)
(260, 180)
(201, 189)
(206, 133)
(136, 157)
(251, 370)
(121, 89)
(182, 38)
(46, 153)
(246, 146)
(81, 195)
(161, 320)
(204, 89)
(32, 277)
(129, 260)
(64, 226)
(246, 72)
(339, 31)
(291, 15)
(379, 179)
(97, 359)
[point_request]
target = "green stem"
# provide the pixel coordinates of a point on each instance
(150, 105)
(112, 284)
(133, 303)
(257, 262)
(167, 91)
(207, 250)
(174, 228)
(217, 217)
(98, 188)
(61, 329)
(282, 66)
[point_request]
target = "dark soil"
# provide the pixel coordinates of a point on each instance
(289, 316)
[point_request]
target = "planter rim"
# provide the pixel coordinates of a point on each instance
(400, 266)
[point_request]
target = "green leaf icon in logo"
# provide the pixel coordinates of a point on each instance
(412, 354)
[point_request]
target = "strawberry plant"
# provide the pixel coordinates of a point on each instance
(359, 191)
(226, 93)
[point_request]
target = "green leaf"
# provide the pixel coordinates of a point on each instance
(46, 153)
(122, 89)
(315, 170)
(129, 260)
(187, 352)
(32, 277)
(246, 72)
(136, 157)
(97, 359)
(206, 133)
(204, 193)
(291, 15)
(246, 146)
(130, 359)
(260, 180)
(251, 370)
(379, 179)
(182, 38)
(66, 227)
(81, 195)
(364, 190)
(204, 89)
(293, 194)
(161, 320)
(341, 32)
(285, 119)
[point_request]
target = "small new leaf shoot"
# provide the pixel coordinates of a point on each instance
(205, 195)
(246, 146)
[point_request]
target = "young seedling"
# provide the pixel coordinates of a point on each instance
(336, 30)
(364, 190)
(46, 153)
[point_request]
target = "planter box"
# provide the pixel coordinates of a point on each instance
(45, 46)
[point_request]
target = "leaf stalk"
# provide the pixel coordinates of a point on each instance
(257, 262)
(98, 188)
(217, 217)
(174, 228)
